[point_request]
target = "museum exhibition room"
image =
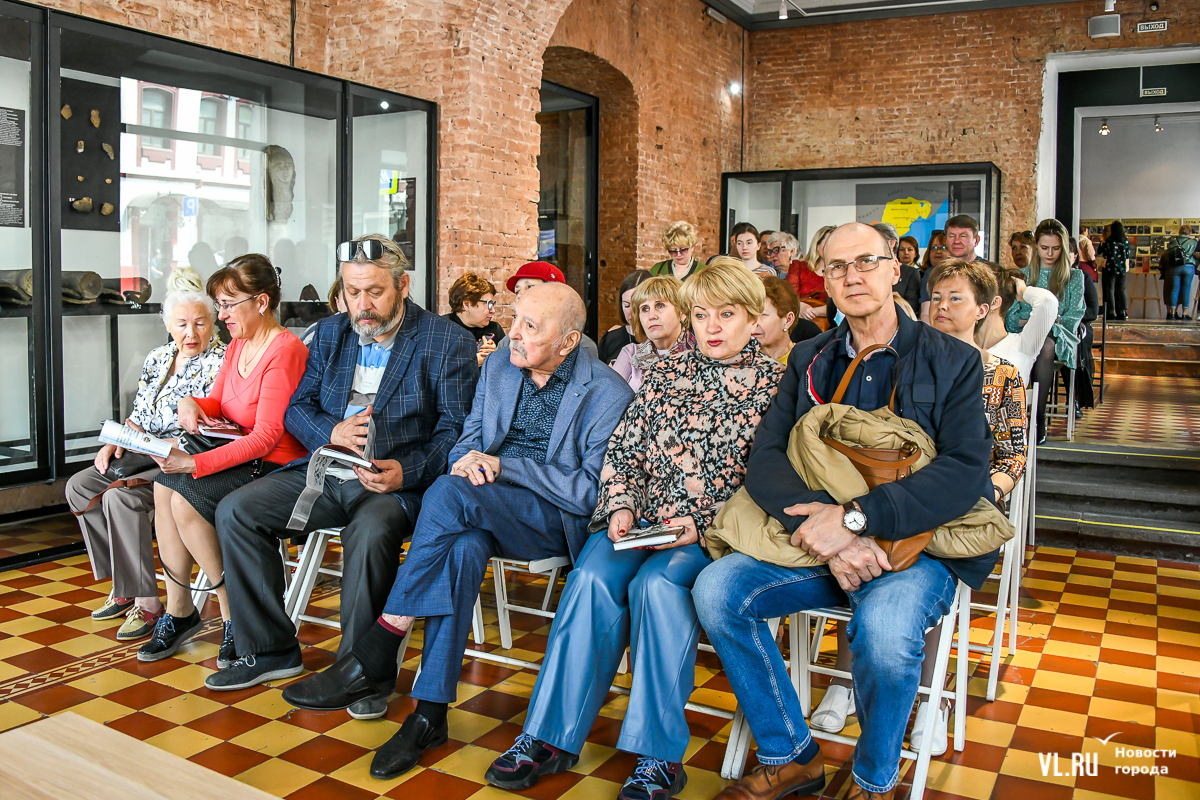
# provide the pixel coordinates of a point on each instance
(854, 341)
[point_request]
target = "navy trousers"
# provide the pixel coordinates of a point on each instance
(460, 527)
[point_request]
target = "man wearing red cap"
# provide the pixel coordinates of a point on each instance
(532, 274)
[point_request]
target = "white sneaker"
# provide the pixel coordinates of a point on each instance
(836, 705)
(940, 733)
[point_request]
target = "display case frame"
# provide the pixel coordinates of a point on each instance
(49, 445)
(986, 171)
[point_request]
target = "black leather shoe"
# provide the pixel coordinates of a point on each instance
(337, 687)
(401, 753)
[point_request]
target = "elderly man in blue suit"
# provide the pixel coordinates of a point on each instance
(523, 485)
(387, 381)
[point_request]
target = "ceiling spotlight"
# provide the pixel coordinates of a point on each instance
(1158, 128)
(783, 9)
(1154, 6)
(1104, 131)
(735, 88)
(385, 105)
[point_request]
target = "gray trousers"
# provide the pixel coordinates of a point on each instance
(118, 532)
(252, 520)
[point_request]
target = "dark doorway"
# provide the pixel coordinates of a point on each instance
(567, 202)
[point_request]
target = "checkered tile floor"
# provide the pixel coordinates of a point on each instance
(1108, 657)
(1141, 411)
(38, 534)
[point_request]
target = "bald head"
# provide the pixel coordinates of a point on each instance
(859, 294)
(855, 231)
(548, 326)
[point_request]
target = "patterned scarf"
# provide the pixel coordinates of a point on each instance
(646, 354)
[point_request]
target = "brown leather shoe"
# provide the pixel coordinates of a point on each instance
(859, 793)
(772, 782)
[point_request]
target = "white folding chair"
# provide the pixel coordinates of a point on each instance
(551, 568)
(802, 668)
(1056, 409)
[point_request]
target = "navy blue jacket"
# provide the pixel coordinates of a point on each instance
(422, 402)
(939, 386)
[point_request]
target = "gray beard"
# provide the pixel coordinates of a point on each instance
(382, 327)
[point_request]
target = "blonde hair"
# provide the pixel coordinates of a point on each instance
(664, 287)
(1060, 273)
(184, 285)
(725, 281)
(814, 246)
(904, 306)
(679, 234)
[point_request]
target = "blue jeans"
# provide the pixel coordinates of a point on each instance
(1179, 286)
(639, 597)
(737, 595)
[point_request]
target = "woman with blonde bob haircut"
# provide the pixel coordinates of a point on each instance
(679, 240)
(677, 455)
(660, 325)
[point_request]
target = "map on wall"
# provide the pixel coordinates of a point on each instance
(917, 209)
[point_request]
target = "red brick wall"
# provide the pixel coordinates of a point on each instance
(926, 90)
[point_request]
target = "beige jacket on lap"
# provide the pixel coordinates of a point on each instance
(742, 527)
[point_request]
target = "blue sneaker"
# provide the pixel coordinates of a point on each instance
(653, 779)
(526, 761)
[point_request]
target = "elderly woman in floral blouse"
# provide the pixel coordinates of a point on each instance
(116, 521)
(677, 455)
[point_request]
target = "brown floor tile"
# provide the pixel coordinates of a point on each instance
(1008, 787)
(26, 581)
(999, 711)
(228, 723)
(499, 738)
(710, 757)
(1133, 608)
(1179, 683)
(435, 755)
(1173, 650)
(1061, 634)
(12, 598)
(1108, 781)
(976, 755)
(324, 754)
(497, 705)
(141, 725)
(1143, 695)
(1069, 666)
(704, 726)
(482, 673)
(617, 768)
(316, 721)
(52, 635)
(551, 787)
(42, 660)
(1123, 732)
(328, 788)
(1177, 720)
(229, 759)
(1127, 658)
(144, 694)
(79, 596)
(151, 669)
(1038, 741)
(54, 699)
(66, 613)
(434, 784)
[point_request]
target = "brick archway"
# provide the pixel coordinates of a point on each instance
(618, 167)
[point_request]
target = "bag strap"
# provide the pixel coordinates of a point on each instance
(126, 483)
(850, 370)
(856, 456)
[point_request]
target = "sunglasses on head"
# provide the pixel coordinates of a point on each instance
(371, 249)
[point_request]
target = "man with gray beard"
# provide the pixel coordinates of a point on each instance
(388, 382)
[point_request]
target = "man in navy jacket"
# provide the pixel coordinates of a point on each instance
(937, 382)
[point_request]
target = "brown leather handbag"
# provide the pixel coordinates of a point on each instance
(879, 465)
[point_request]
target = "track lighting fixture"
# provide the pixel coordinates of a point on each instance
(1104, 131)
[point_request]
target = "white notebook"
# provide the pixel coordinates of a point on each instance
(115, 433)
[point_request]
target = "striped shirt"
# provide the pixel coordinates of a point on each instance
(368, 374)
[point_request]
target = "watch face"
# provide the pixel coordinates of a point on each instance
(855, 520)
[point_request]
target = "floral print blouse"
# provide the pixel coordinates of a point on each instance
(682, 445)
(1004, 403)
(158, 394)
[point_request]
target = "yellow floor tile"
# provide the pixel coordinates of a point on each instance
(1049, 586)
(269, 704)
(1079, 623)
(370, 734)
(1063, 682)
(1122, 711)
(960, 780)
(1131, 618)
(1185, 743)
(1168, 788)
(596, 789)
(21, 625)
(14, 714)
(1052, 720)
(1173, 612)
(183, 742)
(100, 710)
(273, 738)
(107, 682)
(1178, 666)
(1085, 600)
(15, 646)
(278, 777)
(1185, 574)
(1145, 562)
(1088, 580)
(1149, 598)
(1087, 652)
(84, 645)
(1081, 561)
(1135, 577)
(1023, 764)
(51, 589)
(358, 773)
(9, 671)
(1187, 638)
(468, 762)
(1178, 701)
(184, 708)
(63, 573)
(1119, 673)
(468, 727)
(185, 679)
(39, 606)
(1130, 644)
(591, 757)
(701, 785)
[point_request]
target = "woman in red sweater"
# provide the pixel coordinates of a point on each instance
(262, 366)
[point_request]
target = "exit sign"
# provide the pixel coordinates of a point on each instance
(1152, 27)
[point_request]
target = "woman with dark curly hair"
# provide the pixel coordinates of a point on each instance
(473, 306)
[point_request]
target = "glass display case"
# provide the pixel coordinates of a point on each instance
(916, 199)
(162, 155)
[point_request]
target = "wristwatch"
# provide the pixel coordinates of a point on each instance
(854, 520)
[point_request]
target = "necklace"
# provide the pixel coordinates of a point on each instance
(244, 366)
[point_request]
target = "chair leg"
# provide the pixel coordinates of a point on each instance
(818, 634)
(623, 667)
(287, 573)
(1071, 408)
(964, 658)
(309, 571)
(477, 630)
(502, 605)
(731, 768)
(1001, 615)
(937, 685)
(550, 584)
(801, 677)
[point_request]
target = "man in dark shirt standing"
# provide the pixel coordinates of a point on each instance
(938, 383)
(522, 485)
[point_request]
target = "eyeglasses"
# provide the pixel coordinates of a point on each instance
(491, 304)
(774, 251)
(372, 250)
(226, 306)
(677, 251)
(938, 247)
(838, 269)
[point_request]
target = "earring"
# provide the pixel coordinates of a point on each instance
(260, 312)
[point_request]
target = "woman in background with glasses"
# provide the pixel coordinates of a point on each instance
(935, 253)
(473, 305)
(679, 240)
